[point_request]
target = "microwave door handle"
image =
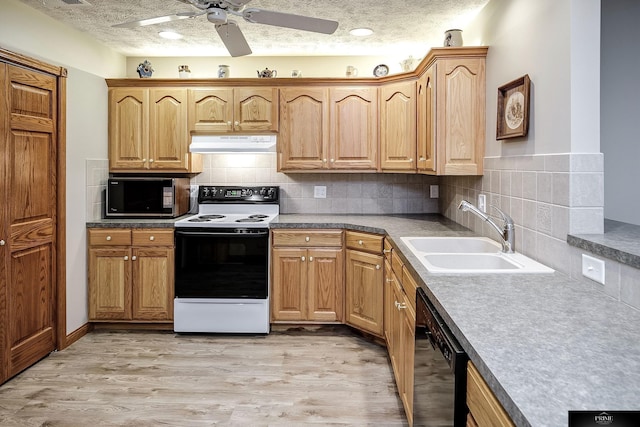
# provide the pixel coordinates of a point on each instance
(219, 233)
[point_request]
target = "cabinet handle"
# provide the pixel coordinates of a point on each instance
(150, 160)
(133, 258)
(377, 266)
(401, 306)
(126, 258)
(422, 158)
(152, 238)
(389, 280)
(386, 251)
(333, 160)
(229, 123)
(2, 242)
(360, 242)
(236, 123)
(108, 238)
(324, 160)
(302, 258)
(310, 259)
(306, 239)
(411, 159)
(144, 160)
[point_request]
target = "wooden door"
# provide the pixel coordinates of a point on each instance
(168, 136)
(128, 129)
(354, 128)
(326, 283)
(426, 129)
(255, 109)
(364, 291)
(398, 126)
(28, 206)
(110, 283)
(289, 284)
(210, 110)
(461, 116)
(304, 129)
(152, 283)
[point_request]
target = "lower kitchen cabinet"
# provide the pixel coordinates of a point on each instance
(131, 274)
(364, 284)
(307, 276)
(484, 408)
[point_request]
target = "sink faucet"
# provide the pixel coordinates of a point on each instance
(507, 232)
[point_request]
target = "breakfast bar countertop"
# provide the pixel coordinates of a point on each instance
(545, 344)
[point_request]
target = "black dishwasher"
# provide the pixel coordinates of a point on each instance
(440, 371)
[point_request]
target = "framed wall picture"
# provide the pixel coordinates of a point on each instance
(513, 108)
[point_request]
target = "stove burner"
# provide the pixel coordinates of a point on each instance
(249, 219)
(212, 216)
(258, 216)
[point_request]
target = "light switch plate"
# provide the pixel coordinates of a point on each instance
(593, 268)
(482, 202)
(320, 192)
(434, 191)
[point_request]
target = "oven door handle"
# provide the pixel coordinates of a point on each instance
(219, 233)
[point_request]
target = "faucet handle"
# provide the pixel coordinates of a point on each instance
(508, 222)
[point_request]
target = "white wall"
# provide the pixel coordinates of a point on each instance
(26, 31)
(620, 109)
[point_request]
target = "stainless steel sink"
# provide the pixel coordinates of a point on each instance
(469, 255)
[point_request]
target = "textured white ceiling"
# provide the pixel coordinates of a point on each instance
(401, 26)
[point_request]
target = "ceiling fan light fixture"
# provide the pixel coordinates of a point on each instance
(170, 35)
(361, 32)
(217, 16)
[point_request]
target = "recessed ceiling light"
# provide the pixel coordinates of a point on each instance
(360, 32)
(170, 35)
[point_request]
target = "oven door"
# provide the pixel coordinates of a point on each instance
(222, 263)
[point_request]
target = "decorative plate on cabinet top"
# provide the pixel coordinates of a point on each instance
(381, 70)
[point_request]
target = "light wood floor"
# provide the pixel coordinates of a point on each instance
(291, 377)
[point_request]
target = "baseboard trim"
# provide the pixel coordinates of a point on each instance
(76, 335)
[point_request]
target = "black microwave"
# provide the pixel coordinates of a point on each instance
(147, 197)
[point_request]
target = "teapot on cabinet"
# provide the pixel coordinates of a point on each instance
(267, 73)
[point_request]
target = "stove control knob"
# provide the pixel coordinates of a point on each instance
(263, 191)
(271, 192)
(249, 192)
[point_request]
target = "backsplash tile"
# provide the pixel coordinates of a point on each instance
(96, 175)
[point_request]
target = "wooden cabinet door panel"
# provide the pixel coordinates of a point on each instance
(354, 128)
(325, 281)
(211, 110)
(128, 128)
(426, 126)
(304, 121)
(168, 136)
(255, 109)
(364, 291)
(406, 356)
(289, 284)
(398, 126)
(109, 284)
(153, 283)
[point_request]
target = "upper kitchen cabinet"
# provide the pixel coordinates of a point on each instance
(224, 110)
(451, 112)
(304, 129)
(398, 126)
(148, 131)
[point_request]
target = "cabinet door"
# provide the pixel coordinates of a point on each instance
(304, 129)
(289, 296)
(354, 128)
(109, 284)
(398, 126)
(211, 110)
(364, 291)
(168, 136)
(461, 116)
(388, 302)
(152, 285)
(255, 109)
(406, 355)
(128, 128)
(396, 335)
(426, 127)
(326, 284)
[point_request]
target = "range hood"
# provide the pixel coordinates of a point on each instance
(233, 144)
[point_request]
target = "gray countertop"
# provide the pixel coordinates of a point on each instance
(544, 343)
(619, 242)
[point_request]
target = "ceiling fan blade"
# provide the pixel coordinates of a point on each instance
(233, 39)
(156, 20)
(298, 22)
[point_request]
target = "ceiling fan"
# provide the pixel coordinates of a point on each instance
(217, 12)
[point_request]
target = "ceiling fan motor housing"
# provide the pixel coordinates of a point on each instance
(218, 16)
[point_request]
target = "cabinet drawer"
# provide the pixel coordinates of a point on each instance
(109, 237)
(364, 242)
(397, 265)
(308, 238)
(483, 405)
(153, 237)
(410, 287)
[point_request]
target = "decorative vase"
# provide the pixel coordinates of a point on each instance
(184, 72)
(223, 71)
(453, 38)
(144, 69)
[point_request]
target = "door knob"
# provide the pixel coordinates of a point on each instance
(126, 258)
(2, 242)
(108, 238)
(133, 258)
(310, 259)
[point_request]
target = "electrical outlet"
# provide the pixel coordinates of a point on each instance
(320, 192)
(434, 191)
(593, 268)
(482, 202)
